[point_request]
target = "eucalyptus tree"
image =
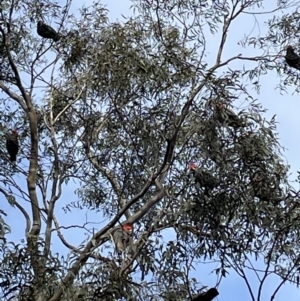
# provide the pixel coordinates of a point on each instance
(120, 111)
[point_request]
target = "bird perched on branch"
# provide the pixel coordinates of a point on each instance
(122, 237)
(47, 32)
(12, 145)
(291, 58)
(205, 179)
(227, 116)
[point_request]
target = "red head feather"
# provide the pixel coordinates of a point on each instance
(14, 132)
(193, 166)
(127, 227)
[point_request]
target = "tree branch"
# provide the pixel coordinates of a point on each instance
(33, 128)
(13, 95)
(110, 176)
(54, 197)
(60, 235)
(24, 212)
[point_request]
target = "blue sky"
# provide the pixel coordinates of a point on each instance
(286, 108)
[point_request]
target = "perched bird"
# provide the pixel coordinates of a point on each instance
(122, 237)
(226, 115)
(47, 32)
(291, 58)
(12, 145)
(203, 178)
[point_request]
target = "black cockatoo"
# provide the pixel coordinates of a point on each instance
(122, 237)
(12, 145)
(291, 58)
(47, 32)
(205, 179)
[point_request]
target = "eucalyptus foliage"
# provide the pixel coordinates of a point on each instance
(118, 111)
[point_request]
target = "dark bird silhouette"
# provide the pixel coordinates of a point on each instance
(12, 145)
(47, 32)
(205, 179)
(291, 58)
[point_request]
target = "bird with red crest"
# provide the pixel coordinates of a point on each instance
(203, 178)
(291, 58)
(122, 237)
(12, 145)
